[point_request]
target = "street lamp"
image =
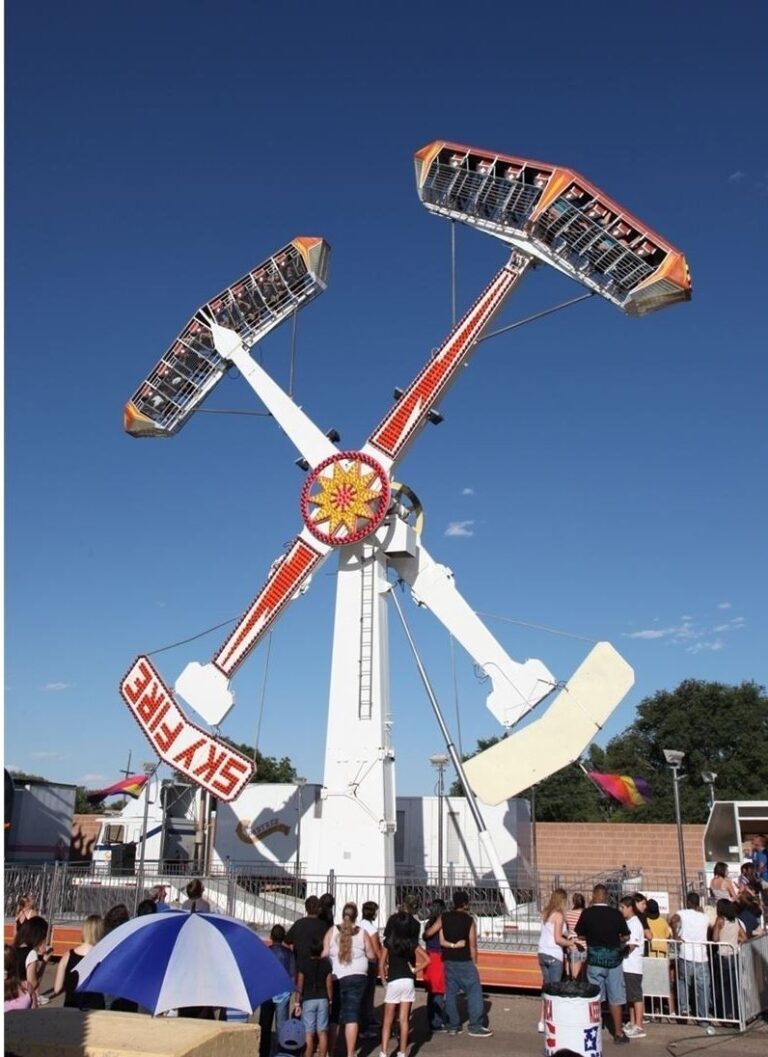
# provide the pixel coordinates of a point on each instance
(675, 758)
(300, 783)
(708, 778)
(439, 761)
(149, 769)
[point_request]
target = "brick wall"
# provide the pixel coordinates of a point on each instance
(586, 848)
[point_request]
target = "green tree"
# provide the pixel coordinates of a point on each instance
(268, 768)
(83, 805)
(720, 728)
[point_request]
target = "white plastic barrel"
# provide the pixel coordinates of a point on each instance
(572, 1023)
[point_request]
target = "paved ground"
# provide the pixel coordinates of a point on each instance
(513, 1018)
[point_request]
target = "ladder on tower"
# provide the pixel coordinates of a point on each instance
(367, 603)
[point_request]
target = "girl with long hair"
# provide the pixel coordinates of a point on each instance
(17, 993)
(349, 947)
(66, 975)
(553, 941)
(32, 954)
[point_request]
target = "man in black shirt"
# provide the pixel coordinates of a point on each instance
(458, 940)
(305, 930)
(605, 932)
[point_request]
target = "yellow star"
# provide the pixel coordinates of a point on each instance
(344, 498)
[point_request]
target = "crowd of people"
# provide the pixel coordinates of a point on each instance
(699, 945)
(335, 965)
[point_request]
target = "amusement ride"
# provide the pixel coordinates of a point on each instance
(351, 504)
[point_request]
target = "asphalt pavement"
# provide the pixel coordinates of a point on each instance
(513, 1017)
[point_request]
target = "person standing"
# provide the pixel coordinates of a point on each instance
(577, 956)
(66, 971)
(690, 927)
(553, 941)
(434, 974)
(315, 990)
(605, 933)
(276, 1009)
(400, 961)
(633, 968)
(195, 902)
(349, 948)
(368, 1026)
(458, 939)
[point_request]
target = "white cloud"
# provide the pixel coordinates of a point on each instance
(460, 528)
(736, 177)
(725, 605)
(695, 637)
(716, 644)
(47, 755)
(55, 686)
(92, 778)
(467, 491)
(161, 605)
(686, 618)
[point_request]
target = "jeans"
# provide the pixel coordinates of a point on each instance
(693, 976)
(463, 976)
(271, 1011)
(551, 969)
(436, 1014)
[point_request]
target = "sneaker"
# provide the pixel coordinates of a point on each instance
(620, 1040)
(637, 1032)
(709, 1030)
(627, 1025)
(453, 1031)
(540, 1027)
(480, 1033)
(399, 1054)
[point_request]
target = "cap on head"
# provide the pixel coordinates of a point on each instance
(291, 1035)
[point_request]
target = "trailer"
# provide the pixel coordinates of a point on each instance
(41, 821)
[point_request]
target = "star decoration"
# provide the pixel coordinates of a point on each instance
(345, 497)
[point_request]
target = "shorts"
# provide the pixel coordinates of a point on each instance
(633, 985)
(610, 982)
(315, 1014)
(351, 992)
(403, 990)
(576, 955)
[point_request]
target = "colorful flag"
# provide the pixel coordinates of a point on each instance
(630, 792)
(132, 785)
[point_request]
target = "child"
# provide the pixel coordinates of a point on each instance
(277, 1008)
(633, 969)
(17, 992)
(400, 962)
(290, 1038)
(315, 988)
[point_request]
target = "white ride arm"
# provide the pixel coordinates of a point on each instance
(516, 687)
(295, 423)
(560, 736)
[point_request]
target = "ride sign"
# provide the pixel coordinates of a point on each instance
(204, 759)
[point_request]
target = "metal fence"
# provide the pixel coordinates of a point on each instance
(707, 983)
(274, 894)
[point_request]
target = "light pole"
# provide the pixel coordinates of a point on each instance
(149, 770)
(675, 758)
(300, 783)
(708, 778)
(439, 761)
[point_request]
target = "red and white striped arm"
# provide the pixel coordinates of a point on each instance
(399, 427)
(206, 686)
(304, 557)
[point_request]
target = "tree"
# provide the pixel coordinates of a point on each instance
(83, 806)
(268, 768)
(720, 728)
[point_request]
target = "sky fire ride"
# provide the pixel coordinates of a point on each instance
(350, 503)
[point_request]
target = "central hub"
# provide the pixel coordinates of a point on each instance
(345, 498)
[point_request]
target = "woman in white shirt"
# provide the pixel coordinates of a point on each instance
(553, 940)
(350, 949)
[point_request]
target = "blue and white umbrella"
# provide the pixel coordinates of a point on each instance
(168, 961)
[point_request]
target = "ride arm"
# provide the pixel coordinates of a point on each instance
(311, 442)
(515, 687)
(206, 686)
(401, 425)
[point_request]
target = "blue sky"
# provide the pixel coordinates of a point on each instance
(607, 475)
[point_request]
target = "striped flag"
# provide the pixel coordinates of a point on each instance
(132, 786)
(630, 792)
